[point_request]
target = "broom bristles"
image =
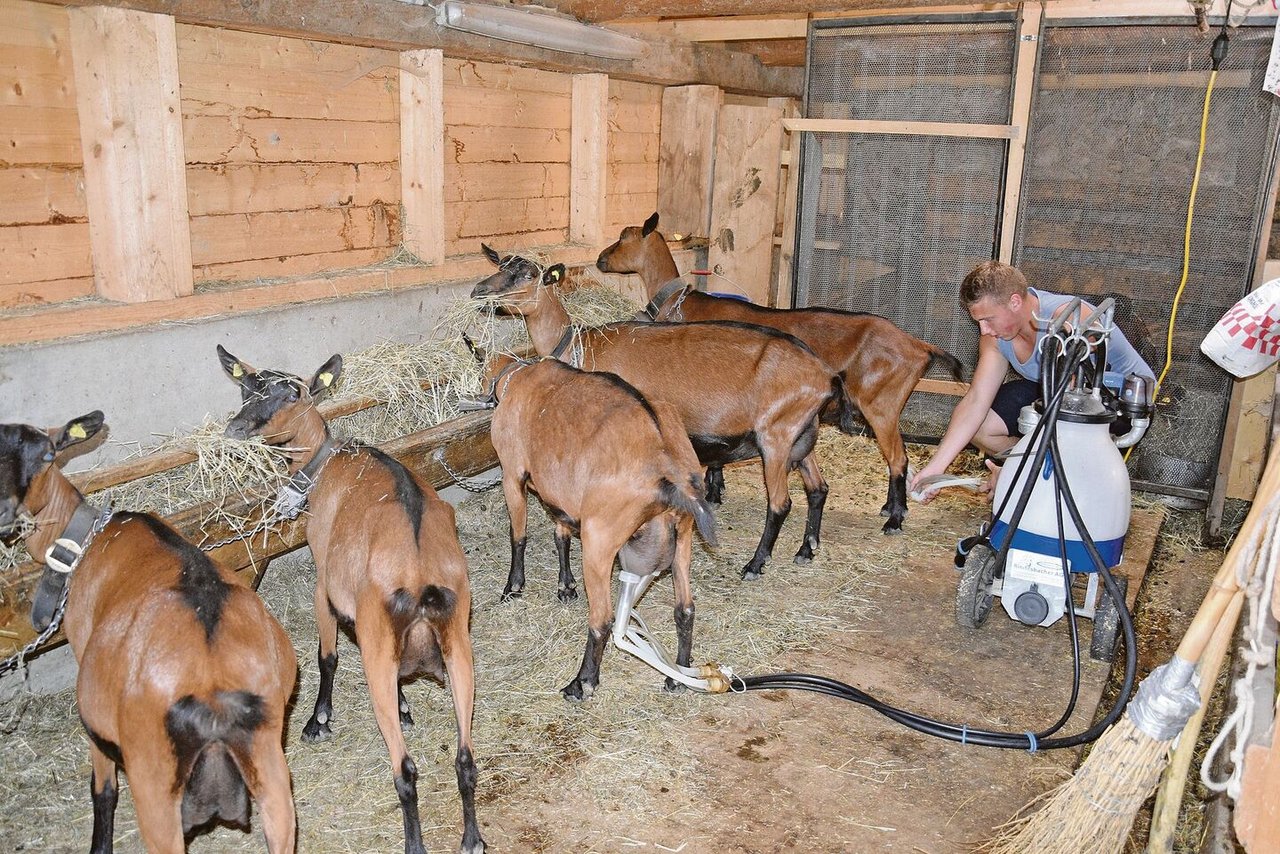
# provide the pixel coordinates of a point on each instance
(1093, 811)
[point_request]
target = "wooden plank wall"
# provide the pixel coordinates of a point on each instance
(506, 156)
(631, 190)
(292, 153)
(44, 226)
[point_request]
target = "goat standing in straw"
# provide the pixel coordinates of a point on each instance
(610, 466)
(184, 675)
(741, 391)
(387, 560)
(879, 363)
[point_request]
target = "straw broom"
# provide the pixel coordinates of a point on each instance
(1164, 819)
(1093, 812)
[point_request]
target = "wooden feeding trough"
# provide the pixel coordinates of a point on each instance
(466, 449)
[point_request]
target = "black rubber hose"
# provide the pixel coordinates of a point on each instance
(989, 738)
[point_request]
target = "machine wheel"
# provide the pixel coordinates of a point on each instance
(973, 597)
(1106, 623)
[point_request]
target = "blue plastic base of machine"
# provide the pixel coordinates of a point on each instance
(1111, 550)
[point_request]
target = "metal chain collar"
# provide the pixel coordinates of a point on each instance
(19, 658)
(470, 484)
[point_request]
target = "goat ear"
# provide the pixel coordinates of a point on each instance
(235, 368)
(650, 225)
(76, 430)
(490, 254)
(554, 275)
(479, 354)
(327, 375)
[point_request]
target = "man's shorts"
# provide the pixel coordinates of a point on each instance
(1010, 399)
(1016, 394)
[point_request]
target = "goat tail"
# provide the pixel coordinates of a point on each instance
(206, 737)
(433, 603)
(693, 502)
(846, 413)
(952, 364)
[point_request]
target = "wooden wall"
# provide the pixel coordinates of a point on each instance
(506, 156)
(635, 116)
(44, 230)
(292, 152)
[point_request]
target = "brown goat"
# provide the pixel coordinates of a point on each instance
(879, 363)
(387, 560)
(609, 466)
(741, 391)
(184, 674)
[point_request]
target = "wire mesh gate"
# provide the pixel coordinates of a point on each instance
(1111, 156)
(891, 223)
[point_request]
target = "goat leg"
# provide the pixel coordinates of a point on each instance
(567, 590)
(815, 493)
(102, 786)
(715, 484)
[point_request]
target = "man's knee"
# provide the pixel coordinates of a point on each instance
(993, 435)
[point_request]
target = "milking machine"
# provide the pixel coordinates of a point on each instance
(1063, 513)
(1031, 555)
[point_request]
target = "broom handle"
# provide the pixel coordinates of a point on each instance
(1225, 583)
(1164, 819)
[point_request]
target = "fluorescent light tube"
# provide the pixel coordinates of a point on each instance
(547, 30)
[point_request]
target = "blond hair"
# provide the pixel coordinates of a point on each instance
(993, 279)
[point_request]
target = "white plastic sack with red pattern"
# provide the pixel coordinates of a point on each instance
(1247, 338)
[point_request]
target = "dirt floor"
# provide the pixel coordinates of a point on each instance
(637, 769)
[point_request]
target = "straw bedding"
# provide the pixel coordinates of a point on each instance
(622, 751)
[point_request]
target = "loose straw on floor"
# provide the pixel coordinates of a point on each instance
(1093, 811)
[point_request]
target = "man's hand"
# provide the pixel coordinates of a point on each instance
(928, 471)
(990, 486)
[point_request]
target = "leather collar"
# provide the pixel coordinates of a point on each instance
(653, 310)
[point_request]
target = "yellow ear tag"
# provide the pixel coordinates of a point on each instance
(326, 378)
(77, 432)
(237, 371)
(555, 275)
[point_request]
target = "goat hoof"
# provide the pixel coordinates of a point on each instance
(803, 558)
(567, 594)
(475, 848)
(406, 719)
(750, 574)
(508, 594)
(671, 686)
(315, 731)
(892, 528)
(577, 691)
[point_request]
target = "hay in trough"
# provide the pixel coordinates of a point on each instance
(416, 386)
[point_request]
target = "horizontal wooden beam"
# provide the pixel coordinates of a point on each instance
(467, 450)
(87, 318)
(737, 28)
(402, 27)
(951, 387)
(912, 128)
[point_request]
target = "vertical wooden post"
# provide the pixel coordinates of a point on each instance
(744, 206)
(686, 162)
(1024, 79)
(422, 153)
(126, 74)
(588, 158)
(789, 192)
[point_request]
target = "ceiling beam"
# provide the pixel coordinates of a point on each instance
(396, 25)
(737, 28)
